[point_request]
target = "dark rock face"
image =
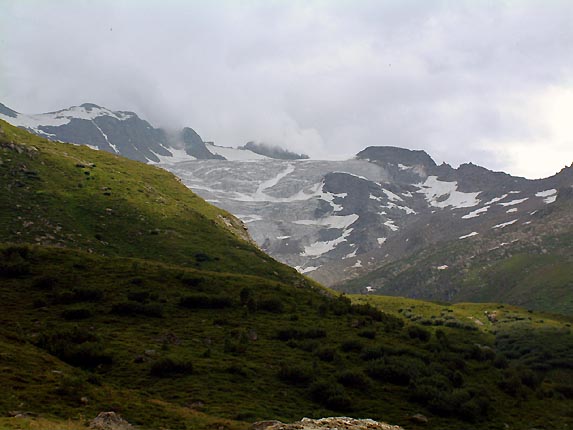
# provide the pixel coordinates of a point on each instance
(395, 155)
(122, 133)
(195, 146)
(272, 151)
(4, 110)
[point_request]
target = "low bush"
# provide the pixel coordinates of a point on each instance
(367, 334)
(417, 332)
(141, 296)
(77, 347)
(294, 333)
(295, 374)
(167, 366)
(14, 262)
(272, 304)
(351, 345)
(136, 308)
(354, 379)
(79, 295)
(44, 283)
(397, 370)
(330, 395)
(76, 314)
(205, 301)
(326, 354)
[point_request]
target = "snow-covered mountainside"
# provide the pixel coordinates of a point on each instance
(335, 219)
(122, 133)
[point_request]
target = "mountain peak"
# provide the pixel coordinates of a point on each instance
(5, 110)
(90, 106)
(395, 155)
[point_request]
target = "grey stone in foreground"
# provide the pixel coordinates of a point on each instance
(332, 423)
(109, 421)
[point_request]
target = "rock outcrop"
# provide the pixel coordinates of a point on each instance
(109, 421)
(331, 423)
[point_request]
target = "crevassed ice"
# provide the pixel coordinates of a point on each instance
(333, 221)
(235, 154)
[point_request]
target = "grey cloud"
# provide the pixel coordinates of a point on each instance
(326, 78)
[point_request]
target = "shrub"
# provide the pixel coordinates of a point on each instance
(88, 355)
(76, 314)
(192, 281)
(45, 283)
(424, 389)
(13, 262)
(72, 387)
(167, 366)
(77, 347)
(373, 353)
(274, 305)
(135, 308)
(295, 374)
(416, 332)
(326, 354)
(293, 333)
(204, 301)
(512, 385)
(232, 346)
(79, 295)
(139, 296)
(201, 257)
(368, 334)
(245, 294)
(390, 373)
(341, 305)
(330, 395)
(353, 378)
(351, 345)
(397, 370)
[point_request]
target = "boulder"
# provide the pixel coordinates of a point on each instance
(331, 423)
(109, 421)
(419, 419)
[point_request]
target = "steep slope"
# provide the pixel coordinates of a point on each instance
(529, 264)
(157, 343)
(65, 195)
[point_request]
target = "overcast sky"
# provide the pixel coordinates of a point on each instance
(484, 81)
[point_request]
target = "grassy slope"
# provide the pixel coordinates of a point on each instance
(66, 195)
(234, 375)
(254, 341)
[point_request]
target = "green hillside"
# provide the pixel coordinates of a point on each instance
(164, 312)
(68, 195)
